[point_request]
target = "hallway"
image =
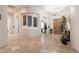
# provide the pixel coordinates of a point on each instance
(21, 30)
(23, 44)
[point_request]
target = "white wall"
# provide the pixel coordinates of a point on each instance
(3, 26)
(10, 21)
(75, 27)
(16, 23)
(13, 23)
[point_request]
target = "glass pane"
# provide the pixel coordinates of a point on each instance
(35, 21)
(29, 20)
(24, 20)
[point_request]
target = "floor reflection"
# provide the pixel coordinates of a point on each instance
(43, 38)
(46, 43)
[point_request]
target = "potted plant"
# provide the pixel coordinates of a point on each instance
(62, 27)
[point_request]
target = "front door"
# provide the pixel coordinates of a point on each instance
(57, 24)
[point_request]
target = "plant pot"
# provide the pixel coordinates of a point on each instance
(64, 40)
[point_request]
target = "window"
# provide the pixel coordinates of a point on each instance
(34, 21)
(24, 20)
(29, 20)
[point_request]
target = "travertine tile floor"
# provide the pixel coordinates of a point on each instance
(49, 43)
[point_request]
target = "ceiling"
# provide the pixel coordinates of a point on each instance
(47, 8)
